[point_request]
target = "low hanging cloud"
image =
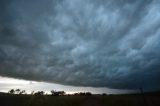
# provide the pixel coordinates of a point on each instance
(95, 43)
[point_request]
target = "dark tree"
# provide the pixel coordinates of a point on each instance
(83, 94)
(39, 93)
(104, 94)
(57, 93)
(12, 91)
(17, 91)
(88, 93)
(22, 92)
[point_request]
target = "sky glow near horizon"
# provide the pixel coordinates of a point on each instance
(7, 84)
(90, 43)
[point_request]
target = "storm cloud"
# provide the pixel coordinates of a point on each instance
(98, 43)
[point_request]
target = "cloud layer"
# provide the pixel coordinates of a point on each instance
(82, 42)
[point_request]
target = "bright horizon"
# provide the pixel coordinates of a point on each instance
(7, 84)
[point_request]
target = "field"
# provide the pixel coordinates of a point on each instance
(149, 99)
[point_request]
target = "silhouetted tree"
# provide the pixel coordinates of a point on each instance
(17, 91)
(39, 93)
(61, 92)
(22, 92)
(104, 94)
(83, 94)
(12, 91)
(88, 93)
(52, 92)
(57, 93)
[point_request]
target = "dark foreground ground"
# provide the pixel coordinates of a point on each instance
(149, 99)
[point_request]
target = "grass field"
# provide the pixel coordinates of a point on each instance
(149, 99)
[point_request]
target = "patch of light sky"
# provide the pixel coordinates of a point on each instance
(7, 83)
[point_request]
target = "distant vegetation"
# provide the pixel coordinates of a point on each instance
(17, 91)
(53, 93)
(57, 93)
(18, 97)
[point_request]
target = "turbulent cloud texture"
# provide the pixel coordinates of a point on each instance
(100, 43)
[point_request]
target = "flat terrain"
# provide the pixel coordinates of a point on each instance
(149, 99)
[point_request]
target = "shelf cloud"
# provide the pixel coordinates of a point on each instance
(97, 43)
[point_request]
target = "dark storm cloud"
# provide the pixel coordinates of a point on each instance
(82, 42)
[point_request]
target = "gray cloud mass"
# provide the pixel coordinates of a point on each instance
(99, 43)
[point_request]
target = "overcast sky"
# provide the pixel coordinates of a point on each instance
(90, 43)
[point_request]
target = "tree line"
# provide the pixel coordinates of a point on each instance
(53, 93)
